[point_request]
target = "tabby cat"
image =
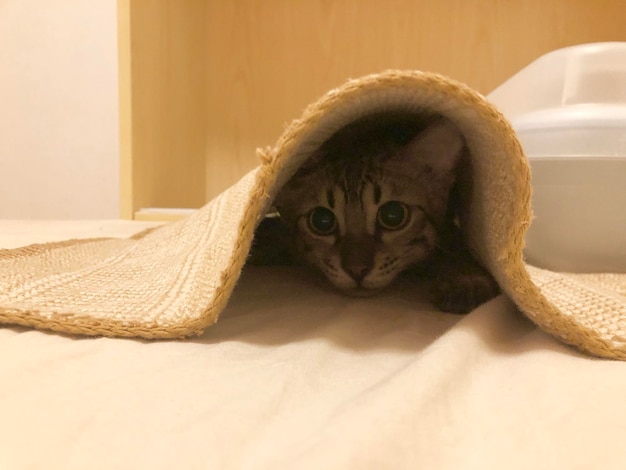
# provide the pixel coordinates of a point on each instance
(377, 200)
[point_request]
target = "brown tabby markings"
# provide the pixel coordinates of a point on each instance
(374, 202)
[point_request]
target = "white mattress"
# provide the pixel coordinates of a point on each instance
(296, 376)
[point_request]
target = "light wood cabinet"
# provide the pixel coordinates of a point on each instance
(203, 83)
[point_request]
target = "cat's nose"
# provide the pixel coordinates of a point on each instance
(357, 255)
(357, 271)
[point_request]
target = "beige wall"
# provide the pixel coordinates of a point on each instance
(207, 81)
(59, 145)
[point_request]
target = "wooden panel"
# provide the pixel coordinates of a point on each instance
(206, 82)
(267, 59)
(163, 103)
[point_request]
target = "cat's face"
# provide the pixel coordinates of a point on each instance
(361, 223)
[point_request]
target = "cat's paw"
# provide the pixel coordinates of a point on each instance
(462, 292)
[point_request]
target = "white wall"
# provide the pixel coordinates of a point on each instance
(59, 146)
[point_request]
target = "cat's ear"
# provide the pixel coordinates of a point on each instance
(439, 146)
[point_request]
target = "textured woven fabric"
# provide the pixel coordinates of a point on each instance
(174, 280)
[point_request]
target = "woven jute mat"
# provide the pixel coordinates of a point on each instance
(173, 281)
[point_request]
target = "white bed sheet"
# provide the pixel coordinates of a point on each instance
(296, 376)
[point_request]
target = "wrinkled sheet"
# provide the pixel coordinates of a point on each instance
(295, 375)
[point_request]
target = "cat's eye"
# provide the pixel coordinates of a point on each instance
(392, 215)
(322, 221)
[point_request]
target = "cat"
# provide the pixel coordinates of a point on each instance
(378, 200)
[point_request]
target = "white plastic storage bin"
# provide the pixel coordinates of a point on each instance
(569, 110)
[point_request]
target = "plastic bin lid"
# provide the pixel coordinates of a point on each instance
(570, 102)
